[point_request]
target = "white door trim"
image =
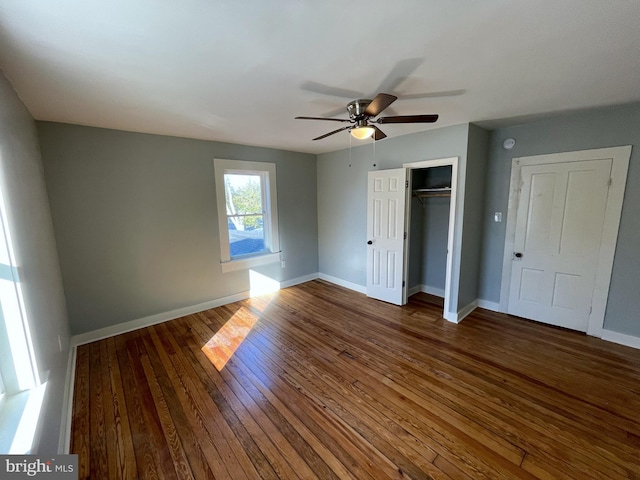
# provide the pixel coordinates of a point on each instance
(450, 311)
(620, 156)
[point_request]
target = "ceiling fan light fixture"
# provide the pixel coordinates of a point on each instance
(362, 132)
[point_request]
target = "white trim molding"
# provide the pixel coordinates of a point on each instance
(250, 262)
(435, 291)
(463, 313)
(487, 305)
(64, 442)
(267, 174)
(343, 283)
(132, 325)
(413, 290)
(621, 338)
(299, 280)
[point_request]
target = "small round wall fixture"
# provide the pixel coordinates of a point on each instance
(509, 143)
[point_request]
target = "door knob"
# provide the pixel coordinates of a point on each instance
(370, 242)
(517, 254)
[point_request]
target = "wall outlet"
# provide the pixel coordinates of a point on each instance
(497, 217)
(283, 264)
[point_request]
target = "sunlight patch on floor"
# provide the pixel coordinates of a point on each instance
(221, 347)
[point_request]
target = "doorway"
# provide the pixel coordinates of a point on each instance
(562, 227)
(429, 230)
(387, 279)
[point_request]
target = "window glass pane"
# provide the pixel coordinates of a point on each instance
(245, 219)
(249, 238)
(244, 194)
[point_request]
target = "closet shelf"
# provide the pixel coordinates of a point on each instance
(421, 193)
(432, 192)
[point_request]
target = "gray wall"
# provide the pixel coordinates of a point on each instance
(435, 225)
(29, 219)
(342, 194)
(599, 128)
(136, 222)
(477, 151)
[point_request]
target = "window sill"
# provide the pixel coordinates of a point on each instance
(250, 262)
(19, 419)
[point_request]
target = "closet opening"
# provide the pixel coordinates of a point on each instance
(430, 222)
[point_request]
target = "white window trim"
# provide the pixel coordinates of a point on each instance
(23, 388)
(271, 236)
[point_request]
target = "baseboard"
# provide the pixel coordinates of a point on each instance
(621, 338)
(436, 292)
(414, 290)
(64, 443)
(362, 289)
(466, 310)
(132, 325)
(343, 283)
(299, 280)
(487, 305)
(450, 317)
(462, 313)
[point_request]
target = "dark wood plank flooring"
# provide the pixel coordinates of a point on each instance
(330, 384)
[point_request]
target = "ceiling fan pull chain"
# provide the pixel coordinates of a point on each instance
(374, 152)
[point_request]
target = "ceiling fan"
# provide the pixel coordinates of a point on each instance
(361, 117)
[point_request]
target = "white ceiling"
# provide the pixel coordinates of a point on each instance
(239, 70)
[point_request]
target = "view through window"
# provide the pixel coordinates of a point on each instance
(246, 200)
(245, 213)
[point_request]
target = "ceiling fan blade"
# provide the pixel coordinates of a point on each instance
(334, 112)
(408, 119)
(378, 104)
(378, 134)
(323, 118)
(331, 133)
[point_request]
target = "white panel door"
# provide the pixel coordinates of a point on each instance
(559, 225)
(385, 229)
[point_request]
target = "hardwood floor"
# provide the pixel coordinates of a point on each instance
(330, 384)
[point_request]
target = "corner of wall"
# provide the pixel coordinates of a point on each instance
(31, 228)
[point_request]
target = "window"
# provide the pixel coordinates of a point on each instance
(21, 387)
(247, 213)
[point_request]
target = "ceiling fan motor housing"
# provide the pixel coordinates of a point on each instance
(357, 107)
